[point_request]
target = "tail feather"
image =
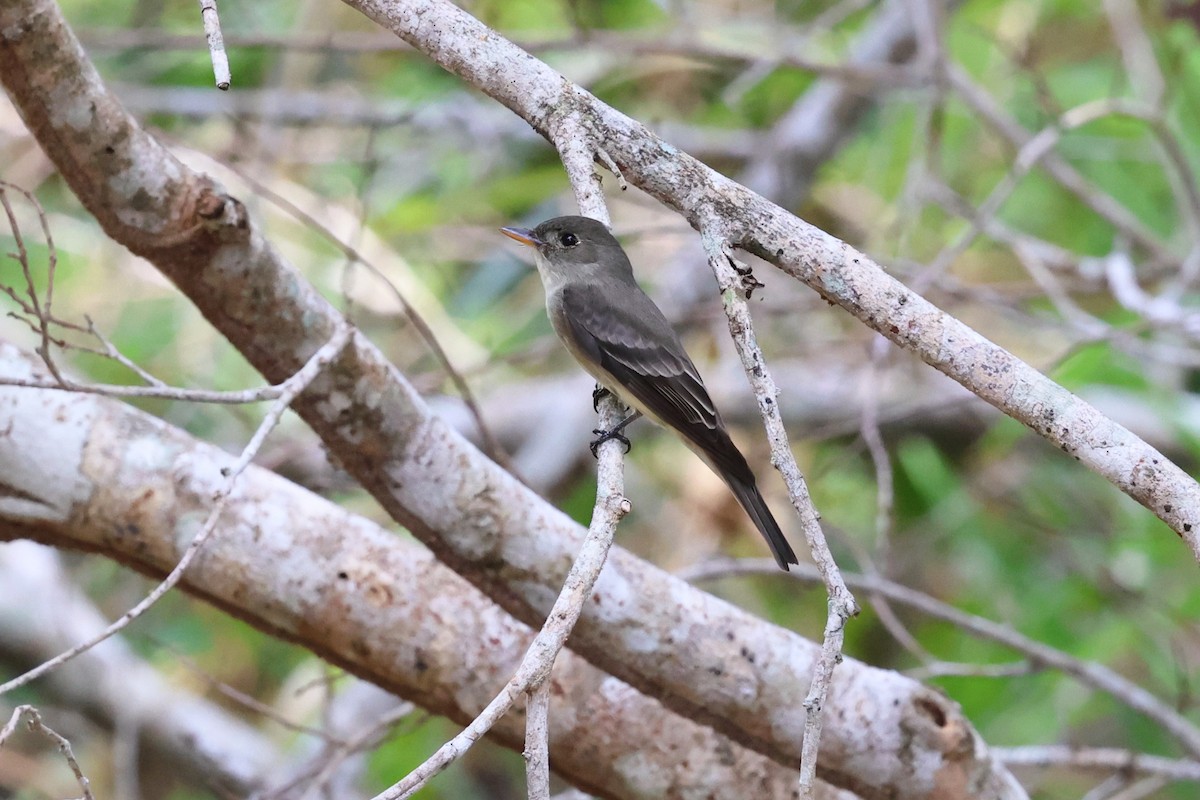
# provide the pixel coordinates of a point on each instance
(751, 500)
(722, 456)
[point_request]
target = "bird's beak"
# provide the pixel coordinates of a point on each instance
(522, 235)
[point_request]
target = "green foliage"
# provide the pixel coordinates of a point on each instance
(771, 97)
(487, 771)
(1100, 364)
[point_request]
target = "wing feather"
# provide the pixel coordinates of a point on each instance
(633, 342)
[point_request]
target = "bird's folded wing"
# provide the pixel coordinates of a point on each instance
(634, 343)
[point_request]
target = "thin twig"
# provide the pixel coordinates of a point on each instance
(1120, 787)
(238, 397)
(216, 43)
(712, 47)
(872, 437)
(942, 669)
(535, 666)
(249, 702)
(841, 603)
(537, 743)
(45, 319)
(34, 720)
(1098, 758)
(1137, 51)
(612, 167)
(22, 256)
(991, 113)
(338, 751)
(109, 350)
(577, 147)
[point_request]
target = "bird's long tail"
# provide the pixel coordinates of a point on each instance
(751, 500)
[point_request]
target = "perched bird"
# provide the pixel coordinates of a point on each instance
(617, 333)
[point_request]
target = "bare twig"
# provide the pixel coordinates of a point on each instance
(44, 319)
(1137, 51)
(576, 144)
(1056, 272)
(1038, 147)
(939, 669)
(321, 769)
(216, 43)
(1120, 787)
(709, 46)
(872, 437)
(784, 165)
(290, 389)
(240, 698)
(842, 606)
(109, 350)
(612, 167)
(117, 688)
(537, 743)
(1099, 758)
(239, 397)
(22, 255)
(535, 667)
(991, 113)
(34, 721)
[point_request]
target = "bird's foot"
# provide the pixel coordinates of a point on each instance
(598, 394)
(749, 282)
(603, 436)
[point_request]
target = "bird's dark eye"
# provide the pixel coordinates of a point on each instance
(568, 239)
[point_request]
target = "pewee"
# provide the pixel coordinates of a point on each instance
(617, 333)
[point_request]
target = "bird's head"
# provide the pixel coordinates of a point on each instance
(569, 246)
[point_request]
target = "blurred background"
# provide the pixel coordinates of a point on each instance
(1027, 165)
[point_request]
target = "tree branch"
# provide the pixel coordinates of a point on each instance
(842, 606)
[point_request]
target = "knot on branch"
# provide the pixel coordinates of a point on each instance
(205, 219)
(717, 243)
(619, 505)
(748, 282)
(222, 210)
